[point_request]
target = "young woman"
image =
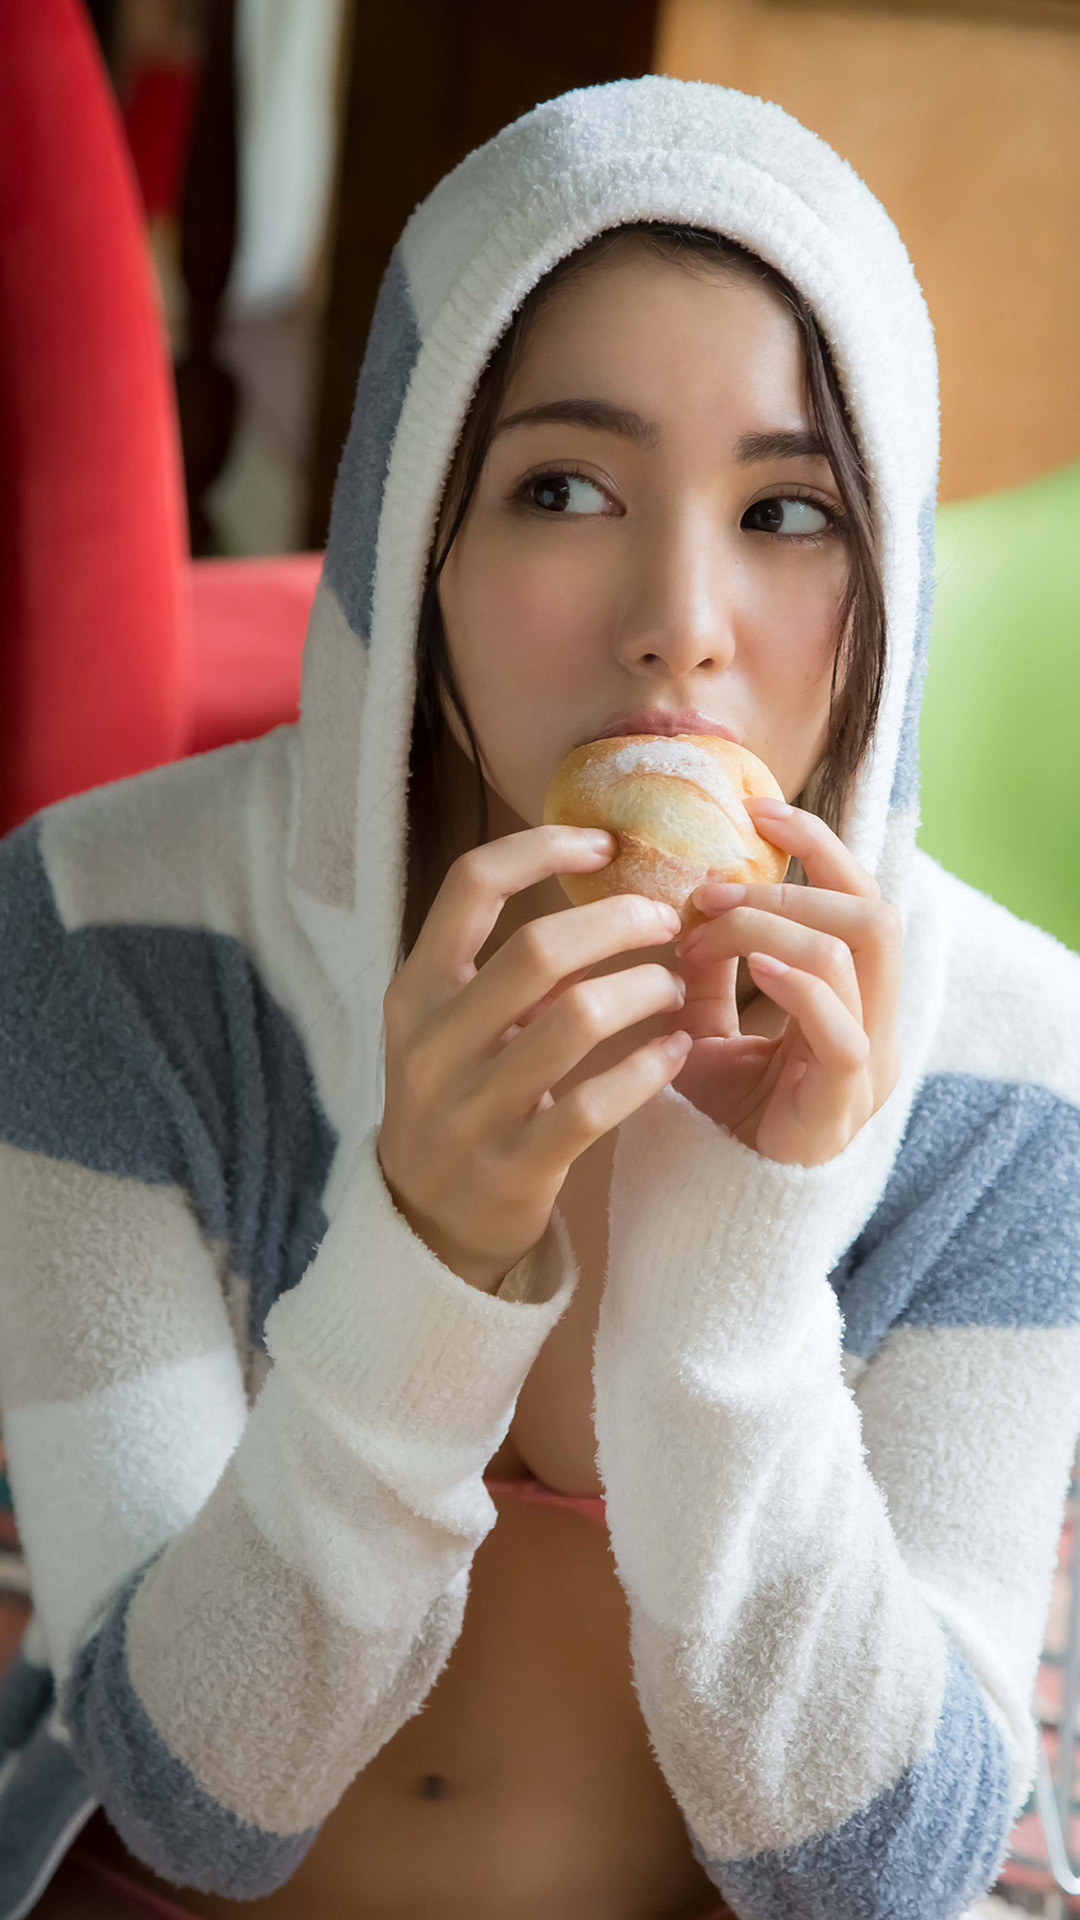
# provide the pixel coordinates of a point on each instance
(508, 1412)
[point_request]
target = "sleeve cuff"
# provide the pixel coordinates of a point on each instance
(705, 1229)
(380, 1325)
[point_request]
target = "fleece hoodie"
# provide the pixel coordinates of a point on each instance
(247, 1411)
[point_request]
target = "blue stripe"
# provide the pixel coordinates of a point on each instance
(154, 1801)
(157, 1054)
(26, 1693)
(979, 1224)
(920, 1851)
(393, 348)
(44, 1804)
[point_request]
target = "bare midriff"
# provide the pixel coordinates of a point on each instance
(526, 1787)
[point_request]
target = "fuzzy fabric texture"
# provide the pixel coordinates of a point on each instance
(247, 1412)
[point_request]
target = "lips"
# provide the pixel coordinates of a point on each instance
(661, 720)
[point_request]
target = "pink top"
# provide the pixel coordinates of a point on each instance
(593, 1506)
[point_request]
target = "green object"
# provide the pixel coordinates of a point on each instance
(1000, 732)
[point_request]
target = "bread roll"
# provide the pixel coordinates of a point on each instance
(676, 808)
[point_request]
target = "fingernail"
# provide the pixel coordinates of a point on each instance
(772, 809)
(687, 943)
(766, 963)
(601, 842)
(668, 915)
(714, 895)
(677, 1044)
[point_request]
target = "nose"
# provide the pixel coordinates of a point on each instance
(678, 614)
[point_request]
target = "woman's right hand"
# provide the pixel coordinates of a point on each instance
(473, 1146)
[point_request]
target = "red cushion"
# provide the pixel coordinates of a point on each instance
(250, 617)
(92, 539)
(118, 654)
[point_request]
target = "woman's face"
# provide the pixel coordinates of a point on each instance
(661, 540)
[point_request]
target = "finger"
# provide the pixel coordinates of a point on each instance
(821, 1074)
(548, 1049)
(533, 963)
(835, 1045)
(827, 861)
(746, 929)
(849, 916)
(581, 1116)
(711, 1007)
(529, 1014)
(476, 889)
(870, 928)
(728, 1079)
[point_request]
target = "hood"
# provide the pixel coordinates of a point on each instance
(651, 148)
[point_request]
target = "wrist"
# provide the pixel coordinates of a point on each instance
(486, 1276)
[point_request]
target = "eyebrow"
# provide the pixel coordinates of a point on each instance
(801, 443)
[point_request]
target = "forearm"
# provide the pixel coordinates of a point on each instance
(243, 1677)
(801, 1694)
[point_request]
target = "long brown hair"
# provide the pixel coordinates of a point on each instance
(859, 658)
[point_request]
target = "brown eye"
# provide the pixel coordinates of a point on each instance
(789, 514)
(572, 494)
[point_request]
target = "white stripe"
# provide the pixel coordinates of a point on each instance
(104, 1481)
(990, 1414)
(324, 1509)
(1012, 1000)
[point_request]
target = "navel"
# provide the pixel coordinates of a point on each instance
(434, 1786)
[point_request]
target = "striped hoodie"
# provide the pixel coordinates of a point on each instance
(247, 1411)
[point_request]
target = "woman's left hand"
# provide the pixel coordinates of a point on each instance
(828, 954)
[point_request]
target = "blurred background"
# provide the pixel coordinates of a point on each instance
(280, 145)
(198, 199)
(197, 202)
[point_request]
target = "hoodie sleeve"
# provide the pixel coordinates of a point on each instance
(837, 1599)
(240, 1605)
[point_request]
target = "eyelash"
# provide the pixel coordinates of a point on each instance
(520, 495)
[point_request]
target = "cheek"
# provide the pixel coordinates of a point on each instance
(794, 642)
(522, 633)
(521, 618)
(800, 604)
